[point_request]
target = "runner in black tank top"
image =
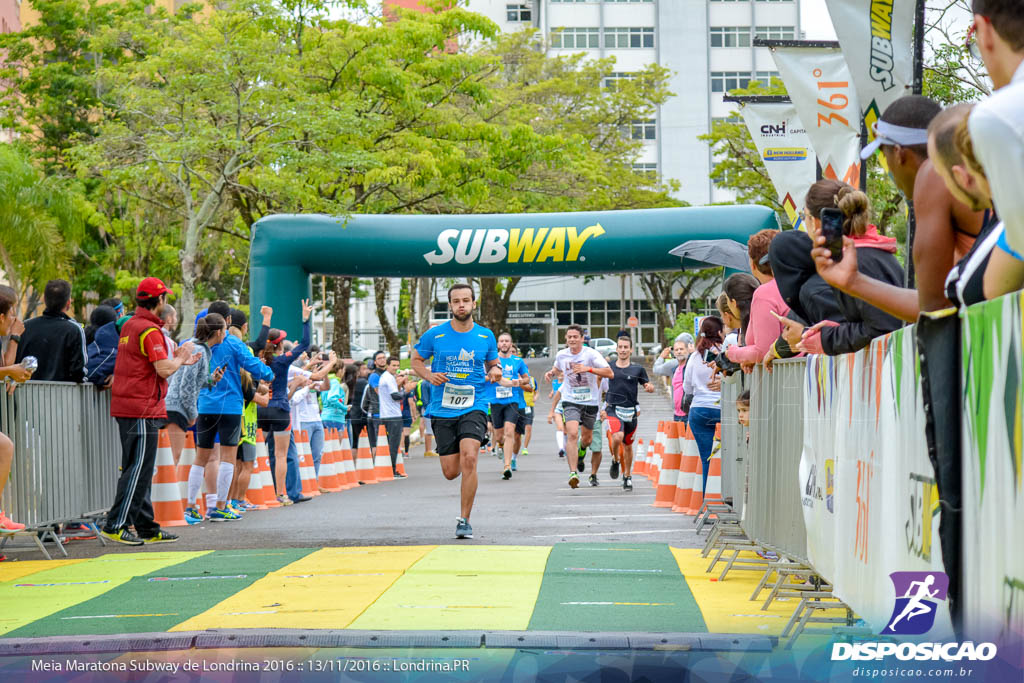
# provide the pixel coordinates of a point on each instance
(623, 410)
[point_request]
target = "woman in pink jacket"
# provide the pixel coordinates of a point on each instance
(761, 327)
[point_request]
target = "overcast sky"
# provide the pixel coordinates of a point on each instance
(815, 22)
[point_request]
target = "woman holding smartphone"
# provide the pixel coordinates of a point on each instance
(702, 381)
(762, 328)
(841, 207)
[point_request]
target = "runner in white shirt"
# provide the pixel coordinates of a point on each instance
(583, 368)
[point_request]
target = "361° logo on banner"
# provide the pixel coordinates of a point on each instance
(917, 599)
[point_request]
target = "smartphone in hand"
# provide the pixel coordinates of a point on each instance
(832, 230)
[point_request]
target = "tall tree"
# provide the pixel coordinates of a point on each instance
(43, 216)
(211, 104)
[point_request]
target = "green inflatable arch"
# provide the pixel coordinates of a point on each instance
(287, 248)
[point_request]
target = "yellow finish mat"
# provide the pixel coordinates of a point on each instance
(42, 593)
(455, 588)
(726, 605)
(326, 589)
(16, 570)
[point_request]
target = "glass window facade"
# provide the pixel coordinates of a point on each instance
(730, 36)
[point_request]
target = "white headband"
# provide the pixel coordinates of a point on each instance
(889, 134)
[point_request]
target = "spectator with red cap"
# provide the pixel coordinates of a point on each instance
(137, 403)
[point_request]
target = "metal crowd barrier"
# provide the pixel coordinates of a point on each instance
(734, 445)
(66, 452)
(774, 517)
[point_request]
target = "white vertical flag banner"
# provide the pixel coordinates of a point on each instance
(877, 38)
(818, 82)
(786, 151)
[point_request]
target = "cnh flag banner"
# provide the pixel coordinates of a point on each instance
(877, 38)
(786, 151)
(818, 82)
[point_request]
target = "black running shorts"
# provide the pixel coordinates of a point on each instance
(247, 452)
(208, 427)
(449, 431)
(503, 413)
(525, 418)
(273, 420)
(173, 416)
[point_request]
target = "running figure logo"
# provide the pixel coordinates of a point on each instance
(466, 356)
(917, 596)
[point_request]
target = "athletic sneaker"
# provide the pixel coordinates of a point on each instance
(122, 536)
(581, 464)
(574, 480)
(613, 471)
(161, 537)
(285, 500)
(463, 529)
(524, 452)
(235, 507)
(627, 483)
(513, 463)
(242, 505)
(9, 525)
(561, 453)
(192, 515)
(506, 475)
(224, 514)
(593, 480)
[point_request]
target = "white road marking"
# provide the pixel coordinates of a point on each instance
(601, 516)
(617, 533)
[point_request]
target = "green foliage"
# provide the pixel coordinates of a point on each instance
(43, 217)
(684, 323)
(48, 91)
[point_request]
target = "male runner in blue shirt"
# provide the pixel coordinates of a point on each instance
(508, 400)
(464, 368)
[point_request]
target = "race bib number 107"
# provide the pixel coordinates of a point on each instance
(457, 396)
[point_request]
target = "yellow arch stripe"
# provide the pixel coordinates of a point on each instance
(142, 340)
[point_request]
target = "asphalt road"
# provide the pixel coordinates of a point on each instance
(536, 507)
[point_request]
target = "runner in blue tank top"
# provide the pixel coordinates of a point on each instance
(464, 369)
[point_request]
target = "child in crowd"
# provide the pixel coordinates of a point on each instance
(743, 411)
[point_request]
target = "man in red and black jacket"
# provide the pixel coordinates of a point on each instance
(137, 403)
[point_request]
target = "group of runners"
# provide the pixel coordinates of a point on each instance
(473, 375)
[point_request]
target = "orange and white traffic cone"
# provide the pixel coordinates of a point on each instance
(654, 472)
(669, 473)
(268, 496)
(640, 461)
(364, 461)
(697, 497)
(307, 474)
(400, 465)
(329, 463)
(687, 472)
(254, 494)
(346, 464)
(165, 494)
(188, 456)
(382, 459)
(713, 491)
